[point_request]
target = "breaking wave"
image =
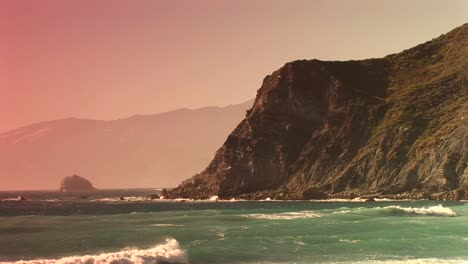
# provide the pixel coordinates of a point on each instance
(392, 210)
(437, 210)
(407, 261)
(169, 252)
(9, 200)
(121, 199)
(167, 225)
(285, 216)
(352, 241)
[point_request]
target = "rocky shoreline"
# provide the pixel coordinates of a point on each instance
(310, 195)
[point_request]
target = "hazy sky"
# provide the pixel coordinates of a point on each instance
(108, 59)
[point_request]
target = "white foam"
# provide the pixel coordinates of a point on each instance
(220, 235)
(110, 199)
(351, 241)
(400, 261)
(285, 216)
(408, 261)
(341, 200)
(10, 200)
(439, 210)
(51, 200)
(183, 200)
(345, 211)
(169, 252)
(384, 200)
(125, 199)
(167, 225)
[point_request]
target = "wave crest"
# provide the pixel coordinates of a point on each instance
(407, 261)
(169, 252)
(438, 210)
(286, 216)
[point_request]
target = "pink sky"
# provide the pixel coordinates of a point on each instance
(109, 59)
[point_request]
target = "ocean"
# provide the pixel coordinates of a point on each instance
(98, 227)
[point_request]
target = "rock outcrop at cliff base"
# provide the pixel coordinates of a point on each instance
(392, 127)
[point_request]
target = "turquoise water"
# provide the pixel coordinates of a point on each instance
(52, 227)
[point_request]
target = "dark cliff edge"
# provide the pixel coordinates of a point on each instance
(394, 127)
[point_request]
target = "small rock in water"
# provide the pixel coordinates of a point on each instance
(152, 197)
(122, 198)
(21, 198)
(164, 193)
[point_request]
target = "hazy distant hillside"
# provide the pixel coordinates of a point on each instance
(141, 151)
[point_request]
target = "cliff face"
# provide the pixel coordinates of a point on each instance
(391, 127)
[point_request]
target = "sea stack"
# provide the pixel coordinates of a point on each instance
(75, 183)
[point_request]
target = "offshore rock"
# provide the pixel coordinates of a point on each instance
(75, 183)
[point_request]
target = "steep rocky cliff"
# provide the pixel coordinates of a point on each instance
(392, 127)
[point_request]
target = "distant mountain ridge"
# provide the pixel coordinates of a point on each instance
(156, 150)
(394, 127)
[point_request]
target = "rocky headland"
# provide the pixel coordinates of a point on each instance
(393, 127)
